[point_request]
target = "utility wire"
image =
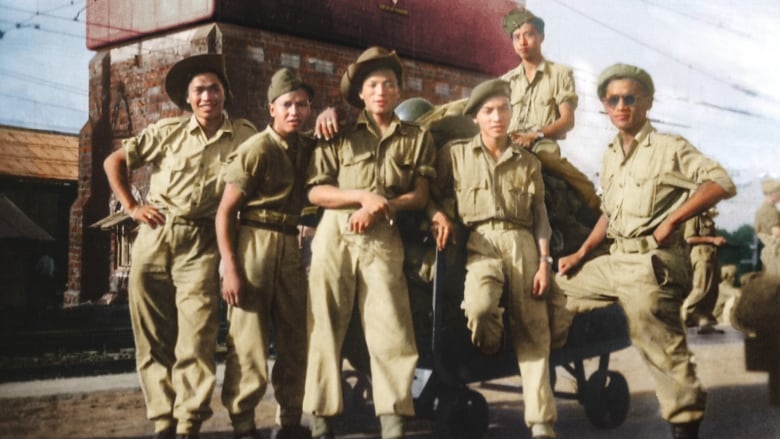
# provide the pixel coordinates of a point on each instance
(683, 99)
(48, 104)
(742, 89)
(44, 82)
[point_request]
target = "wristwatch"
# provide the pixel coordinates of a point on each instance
(540, 134)
(547, 259)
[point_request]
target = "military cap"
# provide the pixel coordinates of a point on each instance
(179, 76)
(770, 186)
(285, 81)
(621, 71)
(372, 59)
(483, 91)
(520, 16)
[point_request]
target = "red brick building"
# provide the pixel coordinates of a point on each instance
(447, 47)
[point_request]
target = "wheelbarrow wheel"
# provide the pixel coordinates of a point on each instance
(463, 417)
(606, 399)
(356, 393)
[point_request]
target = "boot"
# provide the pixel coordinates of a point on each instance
(686, 430)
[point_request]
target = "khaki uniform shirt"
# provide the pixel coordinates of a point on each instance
(535, 102)
(767, 216)
(271, 172)
(186, 179)
(510, 189)
(641, 190)
(362, 159)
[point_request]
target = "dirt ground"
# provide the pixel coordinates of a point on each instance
(112, 406)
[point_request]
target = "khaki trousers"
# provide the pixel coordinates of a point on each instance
(173, 298)
(770, 259)
(275, 298)
(649, 286)
(510, 257)
(363, 270)
(700, 302)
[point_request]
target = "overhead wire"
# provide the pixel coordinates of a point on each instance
(44, 82)
(48, 104)
(726, 81)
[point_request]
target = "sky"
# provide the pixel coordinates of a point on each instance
(715, 65)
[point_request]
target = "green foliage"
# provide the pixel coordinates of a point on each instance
(741, 249)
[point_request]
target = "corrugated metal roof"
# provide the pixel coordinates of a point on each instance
(38, 154)
(15, 224)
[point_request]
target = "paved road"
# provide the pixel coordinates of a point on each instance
(112, 406)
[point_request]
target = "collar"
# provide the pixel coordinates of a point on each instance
(365, 119)
(284, 143)
(226, 127)
(642, 137)
(476, 144)
(542, 68)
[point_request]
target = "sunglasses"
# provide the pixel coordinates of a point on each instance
(628, 100)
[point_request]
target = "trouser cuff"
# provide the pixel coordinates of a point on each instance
(242, 423)
(289, 416)
(392, 426)
(320, 426)
(542, 430)
(185, 427)
(163, 424)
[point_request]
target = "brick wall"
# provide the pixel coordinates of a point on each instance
(127, 94)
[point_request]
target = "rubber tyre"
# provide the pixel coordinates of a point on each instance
(463, 417)
(606, 399)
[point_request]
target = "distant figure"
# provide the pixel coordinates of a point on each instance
(727, 294)
(700, 234)
(768, 227)
(43, 286)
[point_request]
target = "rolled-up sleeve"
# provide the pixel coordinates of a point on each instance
(324, 165)
(426, 162)
(566, 91)
(701, 168)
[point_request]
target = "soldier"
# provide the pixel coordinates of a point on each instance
(768, 227)
(174, 278)
(543, 102)
(647, 178)
(374, 169)
(499, 197)
(700, 234)
(264, 281)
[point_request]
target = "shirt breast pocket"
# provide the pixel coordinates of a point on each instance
(474, 198)
(173, 172)
(400, 172)
(518, 204)
(639, 195)
(357, 171)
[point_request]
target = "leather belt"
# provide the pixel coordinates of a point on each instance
(493, 224)
(198, 222)
(276, 227)
(271, 217)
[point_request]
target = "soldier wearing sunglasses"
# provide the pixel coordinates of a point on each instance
(653, 183)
